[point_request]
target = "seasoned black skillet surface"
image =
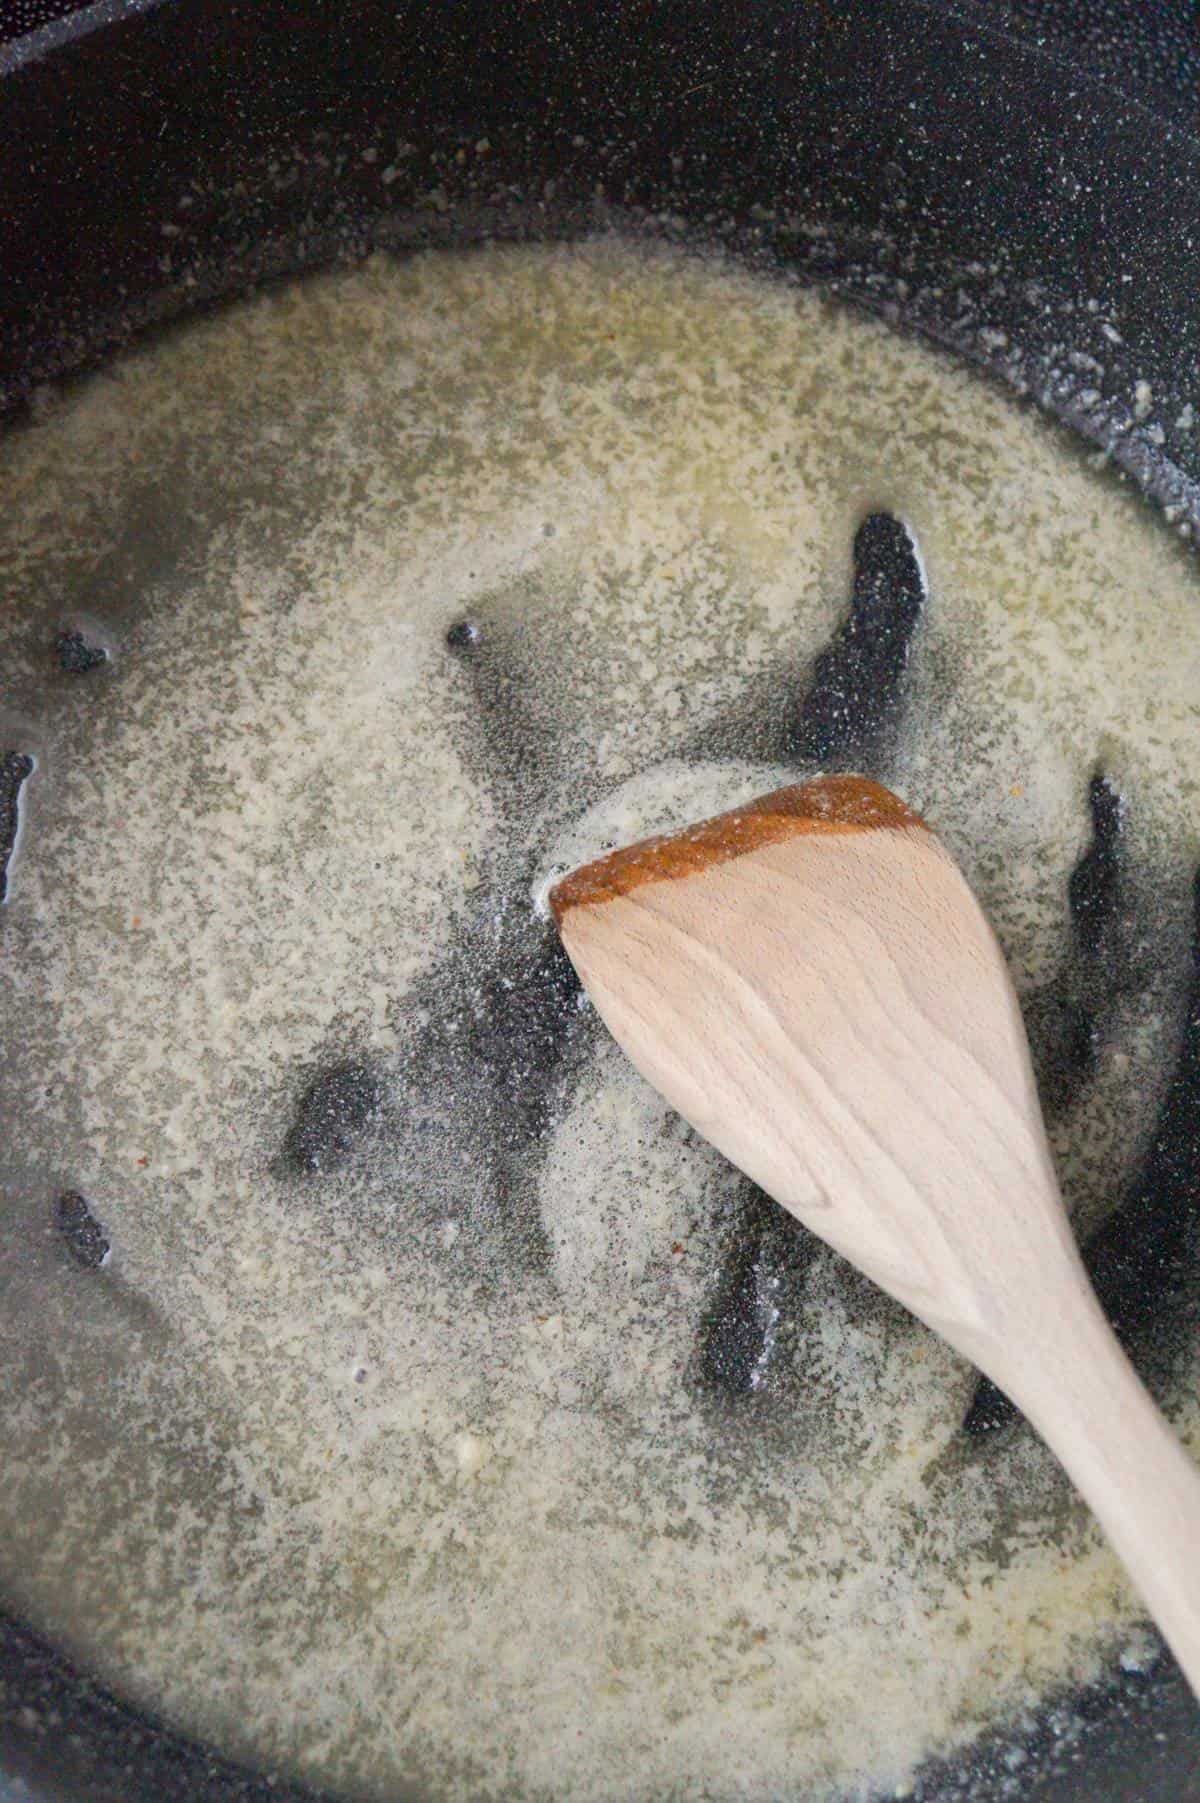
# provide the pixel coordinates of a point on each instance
(976, 182)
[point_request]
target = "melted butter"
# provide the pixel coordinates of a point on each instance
(312, 1467)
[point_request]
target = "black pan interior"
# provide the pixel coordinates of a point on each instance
(1022, 190)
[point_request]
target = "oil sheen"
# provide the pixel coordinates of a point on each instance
(383, 1445)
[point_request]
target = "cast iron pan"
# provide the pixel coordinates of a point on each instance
(1020, 183)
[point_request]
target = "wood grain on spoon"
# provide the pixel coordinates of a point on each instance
(809, 980)
(829, 804)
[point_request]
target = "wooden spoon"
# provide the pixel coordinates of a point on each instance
(811, 983)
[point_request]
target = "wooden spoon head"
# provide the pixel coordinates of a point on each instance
(810, 982)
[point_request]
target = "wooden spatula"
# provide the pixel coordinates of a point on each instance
(811, 983)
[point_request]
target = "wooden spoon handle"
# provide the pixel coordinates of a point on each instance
(811, 983)
(1086, 1400)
